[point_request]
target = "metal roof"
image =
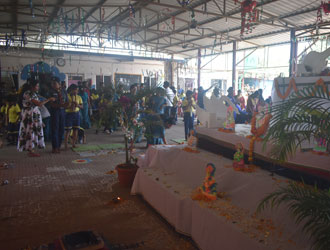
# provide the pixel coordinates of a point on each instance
(160, 26)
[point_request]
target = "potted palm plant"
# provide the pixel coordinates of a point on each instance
(304, 116)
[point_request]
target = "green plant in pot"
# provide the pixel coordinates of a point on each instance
(132, 127)
(303, 117)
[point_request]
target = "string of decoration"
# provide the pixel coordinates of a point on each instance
(32, 8)
(44, 6)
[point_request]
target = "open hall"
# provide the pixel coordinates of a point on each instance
(164, 124)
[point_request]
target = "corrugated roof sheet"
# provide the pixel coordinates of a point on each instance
(171, 34)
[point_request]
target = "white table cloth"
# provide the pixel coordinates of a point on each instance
(167, 177)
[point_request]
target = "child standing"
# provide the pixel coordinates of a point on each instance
(188, 106)
(72, 116)
(13, 114)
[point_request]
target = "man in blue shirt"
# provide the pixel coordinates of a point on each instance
(57, 113)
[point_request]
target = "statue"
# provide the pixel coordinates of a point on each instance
(213, 115)
(238, 162)
(207, 191)
(229, 124)
(191, 143)
(192, 140)
(313, 63)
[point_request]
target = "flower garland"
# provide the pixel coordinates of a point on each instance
(257, 132)
(292, 85)
(226, 130)
(190, 150)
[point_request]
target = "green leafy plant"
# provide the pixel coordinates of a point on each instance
(309, 206)
(304, 116)
(128, 118)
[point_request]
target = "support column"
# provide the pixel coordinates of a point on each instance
(234, 67)
(199, 68)
(171, 71)
(293, 53)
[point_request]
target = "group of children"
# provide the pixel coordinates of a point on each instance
(20, 113)
(10, 117)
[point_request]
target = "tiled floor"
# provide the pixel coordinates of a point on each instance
(50, 196)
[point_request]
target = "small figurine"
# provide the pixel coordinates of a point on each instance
(207, 191)
(229, 124)
(321, 145)
(238, 162)
(191, 143)
(192, 140)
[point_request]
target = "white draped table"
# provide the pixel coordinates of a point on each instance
(168, 175)
(318, 165)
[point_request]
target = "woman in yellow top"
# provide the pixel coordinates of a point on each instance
(188, 106)
(72, 116)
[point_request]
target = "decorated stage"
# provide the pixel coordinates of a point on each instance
(303, 162)
(167, 178)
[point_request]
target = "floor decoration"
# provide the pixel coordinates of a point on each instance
(111, 172)
(85, 240)
(84, 148)
(112, 146)
(98, 150)
(82, 161)
(179, 141)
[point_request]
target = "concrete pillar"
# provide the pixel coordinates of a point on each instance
(233, 84)
(199, 68)
(293, 53)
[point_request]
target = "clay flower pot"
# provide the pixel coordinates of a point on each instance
(126, 174)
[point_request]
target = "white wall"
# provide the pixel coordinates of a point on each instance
(87, 65)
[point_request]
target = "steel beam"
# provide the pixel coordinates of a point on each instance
(300, 12)
(88, 14)
(14, 19)
(165, 18)
(55, 11)
(125, 14)
(209, 20)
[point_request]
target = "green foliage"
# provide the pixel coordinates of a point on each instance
(304, 116)
(124, 110)
(309, 206)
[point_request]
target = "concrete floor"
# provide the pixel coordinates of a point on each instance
(50, 196)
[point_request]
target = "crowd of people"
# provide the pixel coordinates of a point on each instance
(30, 118)
(64, 114)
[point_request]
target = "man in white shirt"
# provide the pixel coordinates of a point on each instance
(169, 95)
